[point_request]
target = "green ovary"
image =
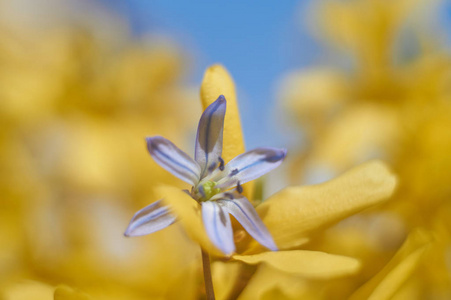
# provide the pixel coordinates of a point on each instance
(210, 190)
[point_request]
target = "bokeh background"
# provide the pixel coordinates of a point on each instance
(336, 82)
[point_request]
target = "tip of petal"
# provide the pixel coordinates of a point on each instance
(221, 98)
(273, 248)
(227, 250)
(230, 253)
(150, 140)
(279, 155)
(268, 242)
(284, 152)
(219, 103)
(129, 231)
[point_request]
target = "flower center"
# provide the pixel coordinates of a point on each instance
(207, 190)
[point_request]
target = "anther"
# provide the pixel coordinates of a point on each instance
(234, 172)
(202, 191)
(239, 188)
(221, 163)
(229, 195)
(212, 167)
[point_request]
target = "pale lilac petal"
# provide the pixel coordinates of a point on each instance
(218, 226)
(174, 160)
(245, 213)
(251, 165)
(229, 195)
(209, 136)
(151, 218)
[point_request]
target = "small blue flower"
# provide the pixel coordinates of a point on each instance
(216, 186)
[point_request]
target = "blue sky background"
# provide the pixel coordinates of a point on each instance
(258, 42)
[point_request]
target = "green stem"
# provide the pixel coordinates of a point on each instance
(207, 276)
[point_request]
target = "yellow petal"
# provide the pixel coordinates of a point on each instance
(388, 281)
(188, 213)
(295, 212)
(225, 276)
(27, 290)
(313, 94)
(217, 81)
(66, 293)
(360, 130)
(268, 283)
(310, 264)
(185, 285)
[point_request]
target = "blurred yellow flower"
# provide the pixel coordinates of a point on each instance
(391, 101)
(78, 96)
(76, 103)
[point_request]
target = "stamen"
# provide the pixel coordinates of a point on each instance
(229, 195)
(221, 163)
(222, 216)
(234, 172)
(239, 188)
(202, 191)
(212, 167)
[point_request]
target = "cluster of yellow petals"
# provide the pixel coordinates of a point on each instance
(391, 102)
(76, 106)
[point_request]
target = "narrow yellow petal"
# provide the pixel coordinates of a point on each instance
(309, 264)
(186, 284)
(295, 212)
(188, 213)
(225, 276)
(63, 292)
(26, 290)
(269, 283)
(217, 81)
(388, 281)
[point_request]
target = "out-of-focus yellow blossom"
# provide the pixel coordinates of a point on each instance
(26, 290)
(77, 100)
(76, 104)
(67, 293)
(388, 281)
(293, 215)
(386, 95)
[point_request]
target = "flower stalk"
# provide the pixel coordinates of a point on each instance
(207, 275)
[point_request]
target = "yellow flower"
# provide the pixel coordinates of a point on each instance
(392, 103)
(27, 290)
(66, 293)
(75, 104)
(389, 280)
